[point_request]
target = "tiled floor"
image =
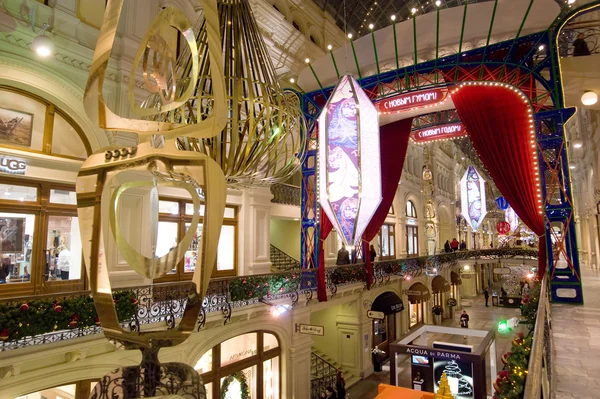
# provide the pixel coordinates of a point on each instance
(481, 318)
(576, 332)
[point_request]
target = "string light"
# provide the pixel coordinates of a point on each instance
(349, 35)
(329, 47)
(393, 17)
(371, 26)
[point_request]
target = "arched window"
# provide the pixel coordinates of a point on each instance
(249, 362)
(411, 211)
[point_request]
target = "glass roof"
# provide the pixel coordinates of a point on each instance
(361, 13)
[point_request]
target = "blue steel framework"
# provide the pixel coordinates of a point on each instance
(522, 62)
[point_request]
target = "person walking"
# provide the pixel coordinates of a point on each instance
(454, 245)
(343, 256)
(486, 294)
(447, 247)
(340, 385)
(464, 321)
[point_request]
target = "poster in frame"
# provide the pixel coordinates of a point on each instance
(12, 234)
(15, 127)
(459, 374)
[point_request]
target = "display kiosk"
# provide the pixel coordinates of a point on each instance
(464, 364)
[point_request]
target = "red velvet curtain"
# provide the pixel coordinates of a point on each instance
(498, 122)
(326, 227)
(393, 145)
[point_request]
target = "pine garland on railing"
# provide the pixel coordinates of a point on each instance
(46, 315)
(263, 286)
(510, 383)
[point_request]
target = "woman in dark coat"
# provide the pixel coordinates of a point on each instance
(340, 385)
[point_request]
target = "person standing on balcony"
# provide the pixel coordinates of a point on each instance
(447, 247)
(373, 253)
(454, 245)
(343, 256)
(580, 46)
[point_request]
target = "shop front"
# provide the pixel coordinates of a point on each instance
(247, 366)
(384, 330)
(41, 151)
(440, 289)
(418, 295)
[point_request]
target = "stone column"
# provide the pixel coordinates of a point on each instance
(257, 216)
(298, 373)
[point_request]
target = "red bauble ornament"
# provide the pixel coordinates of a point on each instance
(4, 334)
(134, 300)
(503, 227)
(73, 323)
(97, 321)
(24, 307)
(57, 308)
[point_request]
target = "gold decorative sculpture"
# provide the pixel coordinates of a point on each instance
(444, 391)
(108, 174)
(264, 141)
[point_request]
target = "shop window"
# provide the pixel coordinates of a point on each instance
(63, 253)
(412, 240)
(387, 241)
(226, 250)
(411, 211)
(64, 197)
(11, 192)
(249, 362)
(16, 240)
(31, 123)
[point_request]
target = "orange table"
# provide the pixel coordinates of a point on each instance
(391, 392)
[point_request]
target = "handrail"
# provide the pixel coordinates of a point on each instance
(533, 384)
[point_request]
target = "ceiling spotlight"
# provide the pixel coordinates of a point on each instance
(329, 47)
(577, 143)
(463, 158)
(307, 60)
(349, 35)
(371, 26)
(572, 166)
(467, 267)
(407, 277)
(589, 98)
(438, 3)
(541, 48)
(393, 17)
(292, 80)
(414, 11)
(570, 1)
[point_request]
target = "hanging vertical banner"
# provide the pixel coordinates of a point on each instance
(349, 160)
(472, 196)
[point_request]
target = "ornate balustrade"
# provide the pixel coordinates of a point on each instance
(286, 194)
(591, 35)
(51, 318)
(323, 375)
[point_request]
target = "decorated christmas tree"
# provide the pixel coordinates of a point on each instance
(444, 389)
(452, 370)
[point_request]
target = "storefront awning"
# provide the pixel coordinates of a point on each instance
(388, 303)
(418, 292)
(455, 278)
(439, 284)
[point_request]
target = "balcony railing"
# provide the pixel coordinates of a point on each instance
(591, 36)
(286, 194)
(323, 375)
(60, 317)
(281, 262)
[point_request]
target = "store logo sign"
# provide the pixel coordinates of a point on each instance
(447, 131)
(408, 101)
(13, 165)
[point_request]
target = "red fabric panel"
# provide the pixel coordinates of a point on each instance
(393, 145)
(497, 121)
(326, 227)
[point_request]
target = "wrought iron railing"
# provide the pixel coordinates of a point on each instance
(566, 40)
(286, 194)
(164, 303)
(280, 261)
(323, 374)
(539, 383)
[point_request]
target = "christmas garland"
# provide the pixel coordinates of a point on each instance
(241, 377)
(42, 316)
(249, 287)
(510, 382)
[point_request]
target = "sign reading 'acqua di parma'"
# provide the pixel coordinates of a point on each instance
(12, 165)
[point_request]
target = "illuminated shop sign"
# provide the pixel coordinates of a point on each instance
(13, 165)
(441, 132)
(408, 101)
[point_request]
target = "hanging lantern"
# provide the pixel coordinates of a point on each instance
(501, 203)
(511, 217)
(472, 190)
(349, 160)
(503, 228)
